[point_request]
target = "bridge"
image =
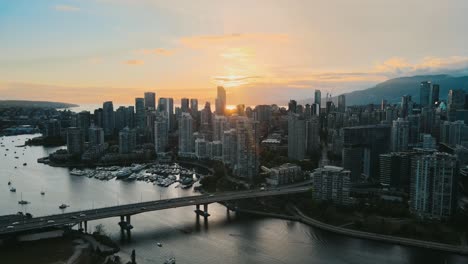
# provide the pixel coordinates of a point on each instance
(126, 211)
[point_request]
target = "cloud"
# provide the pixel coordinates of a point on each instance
(234, 81)
(134, 62)
(207, 41)
(157, 51)
(66, 8)
(395, 67)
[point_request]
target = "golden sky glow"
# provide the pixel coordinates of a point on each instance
(265, 51)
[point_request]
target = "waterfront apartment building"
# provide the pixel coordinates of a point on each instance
(331, 183)
(75, 142)
(400, 135)
(108, 118)
(296, 136)
(127, 140)
(284, 174)
(433, 185)
(186, 142)
(161, 133)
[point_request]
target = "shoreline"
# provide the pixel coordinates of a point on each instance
(302, 218)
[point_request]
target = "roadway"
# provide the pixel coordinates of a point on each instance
(73, 218)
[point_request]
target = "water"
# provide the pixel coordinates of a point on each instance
(225, 239)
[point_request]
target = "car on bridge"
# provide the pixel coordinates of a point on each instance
(50, 221)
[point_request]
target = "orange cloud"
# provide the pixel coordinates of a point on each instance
(134, 62)
(158, 51)
(66, 8)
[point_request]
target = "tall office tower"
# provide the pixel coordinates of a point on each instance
(262, 113)
(229, 146)
(296, 137)
(247, 163)
(185, 135)
(433, 185)
(161, 133)
(312, 134)
(318, 97)
(307, 111)
(194, 106)
(455, 101)
(84, 122)
(434, 100)
(130, 117)
(96, 136)
(425, 94)
(206, 118)
(98, 117)
(108, 118)
(454, 133)
(353, 161)
(315, 108)
(331, 183)
(150, 119)
(185, 105)
(52, 128)
(292, 106)
(150, 100)
(120, 118)
(405, 106)
(383, 104)
(400, 135)
(342, 103)
(75, 144)
(220, 103)
(240, 109)
(414, 129)
(140, 113)
(220, 124)
(127, 140)
(370, 141)
(329, 107)
(427, 120)
(201, 148)
(167, 105)
(395, 169)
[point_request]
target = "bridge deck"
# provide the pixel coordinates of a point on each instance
(72, 218)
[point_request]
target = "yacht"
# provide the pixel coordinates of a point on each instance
(159, 244)
(22, 201)
(77, 172)
(24, 164)
(9, 182)
(138, 167)
(123, 173)
(63, 206)
(12, 189)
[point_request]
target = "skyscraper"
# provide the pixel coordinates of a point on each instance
(84, 122)
(395, 169)
(400, 135)
(150, 100)
(341, 103)
(140, 113)
(75, 144)
(219, 125)
(312, 134)
(434, 100)
(127, 140)
(184, 105)
(108, 118)
(167, 105)
(433, 185)
(424, 93)
(246, 161)
(186, 135)
(220, 101)
(161, 133)
(318, 97)
(455, 100)
(194, 106)
(296, 137)
(405, 105)
(96, 136)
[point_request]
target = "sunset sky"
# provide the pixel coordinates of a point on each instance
(262, 51)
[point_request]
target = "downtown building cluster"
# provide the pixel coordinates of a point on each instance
(408, 149)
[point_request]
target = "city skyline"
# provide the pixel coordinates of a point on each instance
(84, 51)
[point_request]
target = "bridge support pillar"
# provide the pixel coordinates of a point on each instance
(80, 226)
(86, 226)
(205, 209)
(128, 219)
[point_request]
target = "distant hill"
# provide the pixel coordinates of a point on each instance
(392, 90)
(34, 104)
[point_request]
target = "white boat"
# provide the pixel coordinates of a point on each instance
(170, 260)
(159, 244)
(77, 172)
(138, 167)
(63, 206)
(123, 173)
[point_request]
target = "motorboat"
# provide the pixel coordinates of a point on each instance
(123, 173)
(63, 206)
(12, 189)
(170, 260)
(159, 244)
(77, 172)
